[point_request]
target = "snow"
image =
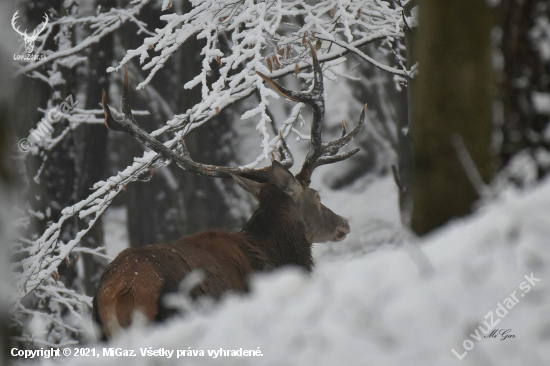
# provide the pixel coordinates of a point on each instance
(372, 210)
(116, 231)
(381, 296)
(541, 102)
(540, 36)
(410, 303)
(211, 20)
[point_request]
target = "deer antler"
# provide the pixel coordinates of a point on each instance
(128, 125)
(319, 153)
(13, 19)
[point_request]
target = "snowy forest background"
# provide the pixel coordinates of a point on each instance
(448, 201)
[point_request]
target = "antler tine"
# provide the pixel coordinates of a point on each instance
(328, 152)
(316, 100)
(319, 153)
(318, 104)
(306, 97)
(128, 125)
(286, 155)
(332, 148)
(13, 24)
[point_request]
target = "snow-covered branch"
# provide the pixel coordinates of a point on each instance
(103, 23)
(268, 36)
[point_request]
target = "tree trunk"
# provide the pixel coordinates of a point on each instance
(163, 210)
(451, 96)
(204, 197)
(90, 141)
(155, 208)
(59, 173)
(525, 79)
(404, 170)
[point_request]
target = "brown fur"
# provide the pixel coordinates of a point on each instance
(131, 281)
(280, 232)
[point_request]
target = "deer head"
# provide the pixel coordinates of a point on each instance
(29, 40)
(321, 224)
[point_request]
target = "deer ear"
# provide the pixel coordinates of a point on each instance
(284, 179)
(249, 185)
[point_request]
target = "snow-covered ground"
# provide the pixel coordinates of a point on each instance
(372, 209)
(409, 303)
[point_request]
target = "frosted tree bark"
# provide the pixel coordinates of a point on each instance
(451, 96)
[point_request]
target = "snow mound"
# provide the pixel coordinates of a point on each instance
(410, 304)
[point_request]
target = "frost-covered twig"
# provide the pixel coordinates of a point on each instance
(469, 167)
(54, 304)
(105, 23)
(264, 44)
(259, 41)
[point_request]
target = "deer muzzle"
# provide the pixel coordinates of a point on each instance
(342, 231)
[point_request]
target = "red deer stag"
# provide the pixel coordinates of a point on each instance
(289, 219)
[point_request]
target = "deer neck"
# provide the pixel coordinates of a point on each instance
(278, 230)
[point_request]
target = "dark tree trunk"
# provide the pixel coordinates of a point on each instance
(57, 179)
(155, 208)
(451, 96)
(205, 206)
(526, 73)
(158, 211)
(90, 141)
(205, 203)
(404, 171)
